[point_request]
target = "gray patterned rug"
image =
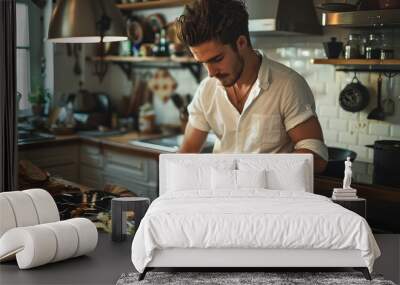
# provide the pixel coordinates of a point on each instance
(243, 278)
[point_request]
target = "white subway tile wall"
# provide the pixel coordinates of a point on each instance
(341, 128)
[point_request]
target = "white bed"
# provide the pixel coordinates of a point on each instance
(201, 219)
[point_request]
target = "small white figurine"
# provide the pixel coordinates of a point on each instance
(347, 174)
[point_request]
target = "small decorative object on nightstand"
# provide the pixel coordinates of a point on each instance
(347, 196)
(119, 209)
(346, 192)
(357, 205)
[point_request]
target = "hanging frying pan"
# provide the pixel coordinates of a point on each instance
(354, 97)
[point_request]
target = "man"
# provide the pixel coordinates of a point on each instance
(251, 103)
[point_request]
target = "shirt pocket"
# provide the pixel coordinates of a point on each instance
(268, 129)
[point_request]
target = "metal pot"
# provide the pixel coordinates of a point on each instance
(337, 157)
(386, 162)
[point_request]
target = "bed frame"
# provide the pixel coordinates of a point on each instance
(250, 258)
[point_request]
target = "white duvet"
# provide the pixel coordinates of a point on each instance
(254, 218)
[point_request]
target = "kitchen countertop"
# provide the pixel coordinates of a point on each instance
(116, 142)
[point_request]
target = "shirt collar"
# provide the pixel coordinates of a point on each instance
(264, 78)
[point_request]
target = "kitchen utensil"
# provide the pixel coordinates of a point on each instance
(386, 162)
(177, 100)
(337, 157)
(77, 66)
(354, 97)
(134, 30)
(388, 103)
(156, 21)
(378, 113)
(333, 48)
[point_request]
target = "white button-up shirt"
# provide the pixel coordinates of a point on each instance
(279, 100)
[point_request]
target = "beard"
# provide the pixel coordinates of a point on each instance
(228, 80)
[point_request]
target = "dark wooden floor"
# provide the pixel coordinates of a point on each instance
(102, 266)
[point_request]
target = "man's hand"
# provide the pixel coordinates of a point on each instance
(193, 140)
(310, 129)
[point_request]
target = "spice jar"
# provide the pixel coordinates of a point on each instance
(373, 47)
(386, 51)
(352, 47)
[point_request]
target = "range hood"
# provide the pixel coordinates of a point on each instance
(359, 19)
(283, 17)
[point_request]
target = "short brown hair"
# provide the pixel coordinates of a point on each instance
(205, 20)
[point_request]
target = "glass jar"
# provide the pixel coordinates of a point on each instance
(352, 47)
(363, 44)
(387, 51)
(373, 47)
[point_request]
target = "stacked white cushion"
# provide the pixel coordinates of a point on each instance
(7, 218)
(23, 208)
(46, 208)
(34, 244)
(87, 235)
(41, 244)
(291, 175)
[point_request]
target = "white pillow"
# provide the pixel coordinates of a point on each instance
(184, 175)
(223, 179)
(251, 178)
(226, 179)
(293, 180)
(289, 175)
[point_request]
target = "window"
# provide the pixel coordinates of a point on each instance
(23, 56)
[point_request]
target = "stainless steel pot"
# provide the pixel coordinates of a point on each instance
(386, 163)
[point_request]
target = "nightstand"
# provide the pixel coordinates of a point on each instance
(357, 205)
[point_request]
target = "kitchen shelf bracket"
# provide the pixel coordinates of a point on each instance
(100, 69)
(126, 67)
(195, 69)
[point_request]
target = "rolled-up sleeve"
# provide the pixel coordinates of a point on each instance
(197, 117)
(297, 102)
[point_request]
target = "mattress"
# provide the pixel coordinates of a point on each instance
(251, 219)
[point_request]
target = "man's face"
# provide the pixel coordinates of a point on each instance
(221, 61)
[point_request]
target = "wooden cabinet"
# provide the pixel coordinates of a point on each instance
(138, 174)
(100, 165)
(58, 159)
(91, 166)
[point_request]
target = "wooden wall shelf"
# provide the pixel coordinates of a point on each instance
(127, 62)
(150, 59)
(153, 4)
(357, 61)
(391, 66)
